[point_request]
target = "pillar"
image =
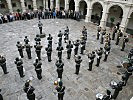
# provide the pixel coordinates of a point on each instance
(89, 11)
(104, 16)
(57, 4)
(9, 3)
(34, 5)
(66, 5)
(23, 5)
(51, 4)
(76, 6)
(125, 19)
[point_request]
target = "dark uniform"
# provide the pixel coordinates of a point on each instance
(76, 44)
(38, 48)
(59, 70)
(108, 96)
(50, 39)
(38, 68)
(99, 56)
(83, 43)
(1, 97)
(78, 60)
(98, 32)
(3, 64)
(125, 40)
(127, 74)
(49, 52)
(91, 57)
(40, 26)
(20, 49)
(119, 34)
(69, 50)
(66, 34)
(114, 32)
(60, 89)
(28, 50)
(37, 38)
(130, 54)
(107, 51)
(59, 49)
(102, 36)
(29, 90)
(118, 88)
(19, 63)
(26, 40)
(60, 37)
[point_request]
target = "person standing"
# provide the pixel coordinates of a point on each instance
(38, 48)
(59, 70)
(125, 40)
(108, 96)
(69, 49)
(50, 39)
(49, 52)
(78, 61)
(37, 38)
(19, 65)
(59, 49)
(26, 40)
(114, 32)
(28, 50)
(107, 51)
(91, 57)
(98, 32)
(40, 26)
(99, 56)
(119, 35)
(20, 49)
(61, 90)
(38, 68)
(76, 44)
(82, 42)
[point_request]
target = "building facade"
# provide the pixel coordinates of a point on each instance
(103, 12)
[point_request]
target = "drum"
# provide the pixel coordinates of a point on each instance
(99, 96)
(113, 84)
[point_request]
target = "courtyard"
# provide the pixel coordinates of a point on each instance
(78, 87)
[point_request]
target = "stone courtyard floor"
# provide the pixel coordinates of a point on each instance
(78, 87)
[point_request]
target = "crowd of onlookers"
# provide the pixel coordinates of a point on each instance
(46, 14)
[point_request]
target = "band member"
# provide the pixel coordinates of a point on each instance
(60, 89)
(59, 49)
(69, 49)
(114, 32)
(20, 49)
(66, 38)
(119, 35)
(107, 51)
(38, 48)
(99, 56)
(98, 32)
(37, 38)
(3, 64)
(78, 61)
(91, 57)
(108, 96)
(125, 40)
(40, 26)
(26, 40)
(28, 50)
(76, 44)
(49, 52)
(38, 68)
(50, 39)
(102, 36)
(83, 43)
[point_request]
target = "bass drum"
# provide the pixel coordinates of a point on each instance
(125, 63)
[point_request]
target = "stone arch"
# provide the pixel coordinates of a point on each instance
(72, 5)
(129, 28)
(83, 8)
(115, 12)
(4, 7)
(96, 15)
(96, 1)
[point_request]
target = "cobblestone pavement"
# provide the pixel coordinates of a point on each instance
(78, 87)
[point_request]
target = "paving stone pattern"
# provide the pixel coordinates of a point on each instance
(78, 87)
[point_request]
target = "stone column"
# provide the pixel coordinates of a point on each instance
(125, 19)
(23, 5)
(104, 16)
(51, 4)
(57, 4)
(66, 5)
(76, 6)
(88, 15)
(34, 5)
(9, 3)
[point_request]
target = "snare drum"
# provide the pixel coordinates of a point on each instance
(113, 84)
(99, 96)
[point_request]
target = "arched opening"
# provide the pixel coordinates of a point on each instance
(62, 4)
(96, 13)
(16, 5)
(130, 25)
(114, 16)
(3, 7)
(72, 5)
(29, 4)
(49, 4)
(83, 9)
(40, 4)
(54, 4)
